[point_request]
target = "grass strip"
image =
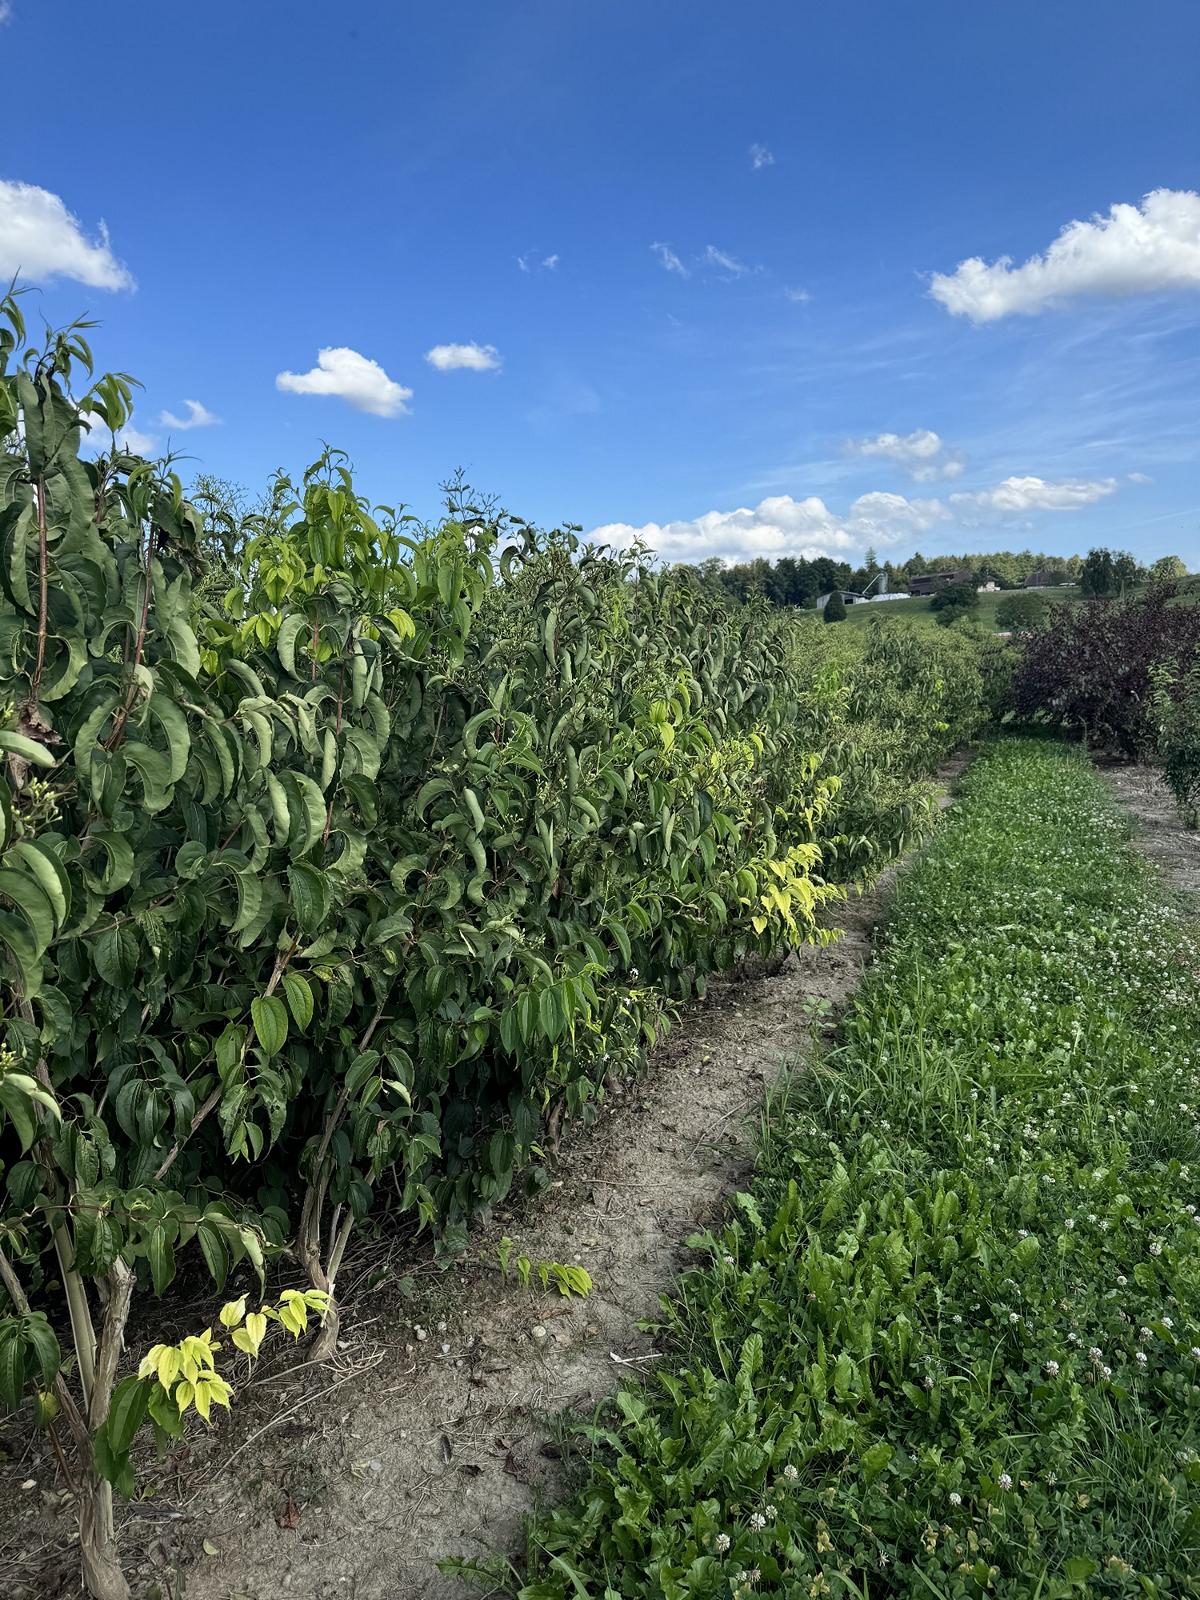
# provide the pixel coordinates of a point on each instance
(949, 1345)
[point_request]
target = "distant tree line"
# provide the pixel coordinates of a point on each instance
(794, 581)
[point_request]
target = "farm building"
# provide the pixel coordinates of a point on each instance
(931, 582)
(850, 598)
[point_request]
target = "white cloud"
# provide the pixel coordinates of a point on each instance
(40, 239)
(99, 437)
(198, 416)
(550, 262)
(465, 357)
(360, 382)
(1142, 249)
(529, 262)
(799, 297)
(782, 526)
(760, 157)
(729, 265)
(923, 453)
(1036, 494)
(1140, 477)
(6, 12)
(668, 260)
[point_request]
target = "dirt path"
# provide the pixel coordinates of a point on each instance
(1158, 832)
(426, 1438)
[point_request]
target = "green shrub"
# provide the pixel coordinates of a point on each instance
(1176, 714)
(334, 883)
(835, 608)
(1020, 612)
(956, 600)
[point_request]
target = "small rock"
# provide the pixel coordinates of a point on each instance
(537, 1331)
(31, 1483)
(421, 1334)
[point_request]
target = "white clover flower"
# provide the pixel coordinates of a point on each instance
(1194, 1352)
(1167, 1323)
(1141, 1358)
(1122, 1280)
(1050, 1368)
(1069, 1224)
(790, 1473)
(1013, 1318)
(1004, 1481)
(1106, 1372)
(955, 1498)
(1095, 1352)
(727, 1259)
(757, 1521)
(721, 1543)
(1155, 1248)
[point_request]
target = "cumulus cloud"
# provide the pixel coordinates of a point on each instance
(351, 377)
(198, 416)
(99, 437)
(464, 357)
(40, 239)
(1133, 250)
(782, 526)
(922, 453)
(760, 157)
(799, 297)
(550, 262)
(1036, 494)
(1140, 477)
(668, 260)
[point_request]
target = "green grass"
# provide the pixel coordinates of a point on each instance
(916, 609)
(949, 1346)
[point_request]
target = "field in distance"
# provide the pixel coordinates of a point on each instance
(916, 608)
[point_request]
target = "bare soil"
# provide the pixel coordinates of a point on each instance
(431, 1434)
(1158, 832)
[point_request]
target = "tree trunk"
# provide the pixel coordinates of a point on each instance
(102, 1575)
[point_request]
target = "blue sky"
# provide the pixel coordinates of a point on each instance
(694, 248)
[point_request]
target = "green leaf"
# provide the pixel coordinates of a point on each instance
(309, 893)
(115, 954)
(44, 865)
(127, 1412)
(12, 1365)
(161, 1255)
(290, 630)
(39, 1337)
(27, 894)
(215, 1252)
(15, 934)
(270, 1019)
(299, 996)
(28, 749)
